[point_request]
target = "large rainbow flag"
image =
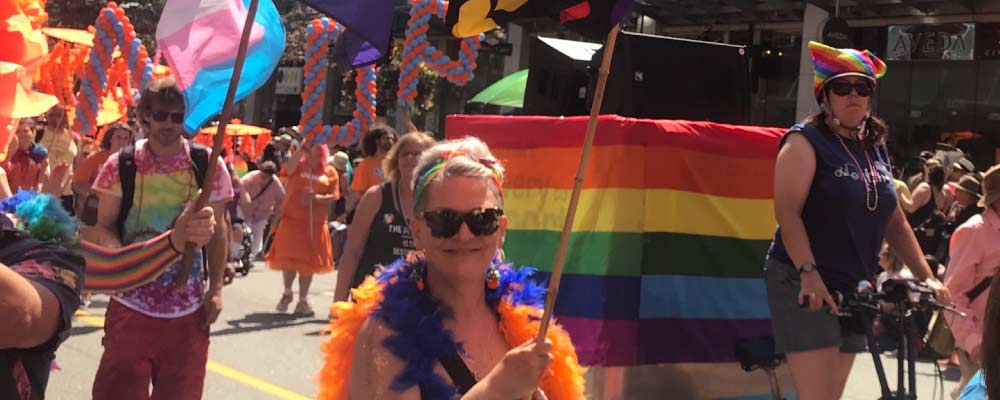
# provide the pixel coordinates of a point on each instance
(664, 269)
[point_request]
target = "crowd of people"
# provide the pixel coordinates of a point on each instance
(415, 229)
(128, 191)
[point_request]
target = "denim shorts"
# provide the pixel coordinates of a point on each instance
(798, 328)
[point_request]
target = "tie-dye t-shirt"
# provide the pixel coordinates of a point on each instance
(162, 188)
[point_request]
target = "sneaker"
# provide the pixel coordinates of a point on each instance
(286, 299)
(302, 309)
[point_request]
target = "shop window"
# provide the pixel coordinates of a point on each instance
(987, 119)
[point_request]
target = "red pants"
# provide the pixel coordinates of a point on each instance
(139, 350)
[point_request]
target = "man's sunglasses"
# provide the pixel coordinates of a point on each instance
(177, 118)
(445, 223)
(843, 88)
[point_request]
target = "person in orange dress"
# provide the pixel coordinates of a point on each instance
(302, 241)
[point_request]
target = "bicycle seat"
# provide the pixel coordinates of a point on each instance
(758, 352)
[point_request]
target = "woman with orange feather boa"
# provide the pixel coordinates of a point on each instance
(451, 320)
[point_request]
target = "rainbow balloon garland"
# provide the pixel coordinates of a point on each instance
(319, 34)
(113, 29)
(417, 50)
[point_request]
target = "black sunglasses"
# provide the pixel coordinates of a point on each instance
(843, 88)
(162, 116)
(445, 223)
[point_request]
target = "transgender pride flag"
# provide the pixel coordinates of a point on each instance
(200, 39)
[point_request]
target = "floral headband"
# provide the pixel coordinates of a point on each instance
(433, 169)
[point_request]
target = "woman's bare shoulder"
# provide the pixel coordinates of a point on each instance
(376, 366)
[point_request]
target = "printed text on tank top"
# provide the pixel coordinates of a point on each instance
(399, 228)
(870, 184)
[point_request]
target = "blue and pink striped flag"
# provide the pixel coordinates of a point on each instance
(200, 39)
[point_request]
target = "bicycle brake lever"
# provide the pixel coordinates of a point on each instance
(951, 309)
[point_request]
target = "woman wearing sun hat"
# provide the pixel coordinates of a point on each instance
(968, 192)
(835, 203)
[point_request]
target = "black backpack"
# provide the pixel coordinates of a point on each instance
(127, 169)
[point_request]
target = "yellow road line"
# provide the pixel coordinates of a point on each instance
(241, 377)
(258, 384)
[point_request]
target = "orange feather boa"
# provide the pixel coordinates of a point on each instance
(563, 380)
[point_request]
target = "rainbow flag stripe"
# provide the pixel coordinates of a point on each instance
(666, 255)
(110, 270)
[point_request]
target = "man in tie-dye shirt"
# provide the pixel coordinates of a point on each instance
(156, 333)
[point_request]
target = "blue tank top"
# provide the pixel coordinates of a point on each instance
(844, 235)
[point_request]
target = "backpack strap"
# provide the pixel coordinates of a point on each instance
(199, 160)
(126, 176)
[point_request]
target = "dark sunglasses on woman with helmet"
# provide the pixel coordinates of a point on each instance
(841, 87)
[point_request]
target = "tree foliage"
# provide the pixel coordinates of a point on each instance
(295, 16)
(144, 14)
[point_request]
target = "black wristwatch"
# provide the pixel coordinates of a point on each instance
(807, 268)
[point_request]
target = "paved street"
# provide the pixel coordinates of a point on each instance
(863, 384)
(258, 354)
(255, 352)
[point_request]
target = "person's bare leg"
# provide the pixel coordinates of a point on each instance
(303, 308)
(288, 278)
(305, 281)
(844, 364)
(811, 373)
(968, 368)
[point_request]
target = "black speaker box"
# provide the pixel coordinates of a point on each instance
(558, 77)
(671, 78)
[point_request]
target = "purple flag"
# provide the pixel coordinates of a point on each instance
(368, 23)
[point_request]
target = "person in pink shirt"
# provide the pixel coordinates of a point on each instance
(266, 196)
(975, 257)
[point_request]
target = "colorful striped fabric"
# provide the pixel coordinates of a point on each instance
(666, 255)
(111, 270)
(829, 62)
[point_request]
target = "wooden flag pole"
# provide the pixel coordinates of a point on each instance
(581, 172)
(220, 136)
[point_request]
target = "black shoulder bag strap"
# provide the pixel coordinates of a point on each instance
(979, 288)
(458, 372)
(263, 189)
(126, 176)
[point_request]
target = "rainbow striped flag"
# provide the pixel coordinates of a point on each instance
(666, 256)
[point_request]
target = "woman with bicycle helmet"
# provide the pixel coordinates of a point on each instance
(835, 202)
